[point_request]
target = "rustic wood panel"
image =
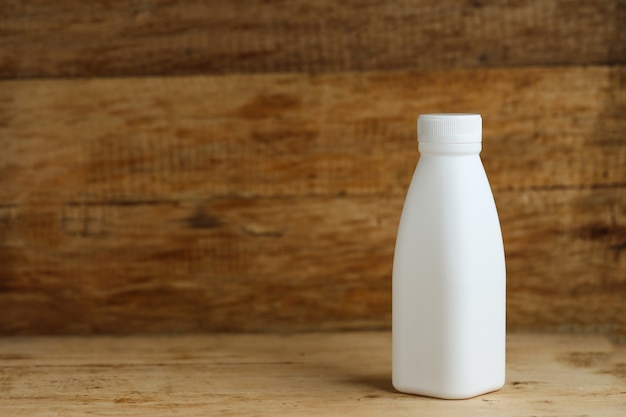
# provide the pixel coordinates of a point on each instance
(270, 202)
(327, 374)
(104, 38)
(291, 263)
(138, 140)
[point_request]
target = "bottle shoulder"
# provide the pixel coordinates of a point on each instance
(451, 199)
(458, 181)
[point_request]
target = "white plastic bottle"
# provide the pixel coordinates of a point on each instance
(449, 278)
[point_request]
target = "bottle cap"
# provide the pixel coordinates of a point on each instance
(450, 128)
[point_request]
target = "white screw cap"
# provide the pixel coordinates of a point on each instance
(450, 128)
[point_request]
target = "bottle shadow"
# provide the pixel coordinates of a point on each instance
(381, 382)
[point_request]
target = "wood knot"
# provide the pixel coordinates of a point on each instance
(200, 219)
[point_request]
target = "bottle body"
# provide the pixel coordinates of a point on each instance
(449, 280)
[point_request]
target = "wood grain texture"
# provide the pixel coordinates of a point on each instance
(163, 37)
(270, 202)
(147, 139)
(291, 264)
(328, 374)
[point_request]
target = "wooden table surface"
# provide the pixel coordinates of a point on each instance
(342, 374)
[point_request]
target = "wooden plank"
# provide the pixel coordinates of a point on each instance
(291, 264)
(328, 374)
(155, 139)
(242, 202)
(566, 259)
(163, 37)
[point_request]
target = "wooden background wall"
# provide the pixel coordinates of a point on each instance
(170, 166)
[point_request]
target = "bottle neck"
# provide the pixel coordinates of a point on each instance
(429, 148)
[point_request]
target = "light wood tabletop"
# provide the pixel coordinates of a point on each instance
(322, 374)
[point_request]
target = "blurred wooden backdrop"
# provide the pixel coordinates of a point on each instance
(170, 166)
